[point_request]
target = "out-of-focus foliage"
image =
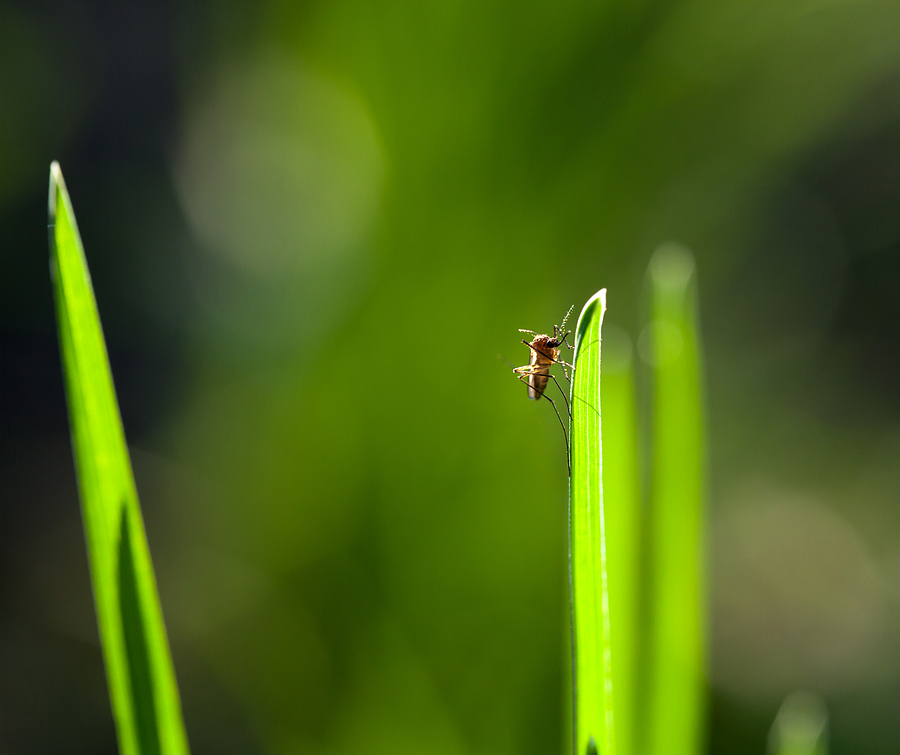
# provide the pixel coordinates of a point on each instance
(801, 727)
(337, 215)
(675, 619)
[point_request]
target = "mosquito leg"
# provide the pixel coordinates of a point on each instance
(522, 374)
(528, 369)
(563, 394)
(561, 424)
(564, 365)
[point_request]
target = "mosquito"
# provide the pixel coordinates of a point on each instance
(536, 374)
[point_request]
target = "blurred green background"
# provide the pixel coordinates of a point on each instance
(312, 229)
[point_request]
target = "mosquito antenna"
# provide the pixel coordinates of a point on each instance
(563, 324)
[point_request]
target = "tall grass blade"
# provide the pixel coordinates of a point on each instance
(622, 512)
(675, 711)
(592, 665)
(139, 668)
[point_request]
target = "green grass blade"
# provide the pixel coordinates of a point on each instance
(594, 731)
(139, 668)
(801, 727)
(676, 688)
(622, 510)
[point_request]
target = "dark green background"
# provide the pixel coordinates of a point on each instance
(312, 228)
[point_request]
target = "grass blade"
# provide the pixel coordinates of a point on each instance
(139, 668)
(593, 725)
(676, 522)
(622, 511)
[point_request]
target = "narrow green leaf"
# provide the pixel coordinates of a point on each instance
(587, 558)
(675, 714)
(139, 668)
(801, 727)
(622, 512)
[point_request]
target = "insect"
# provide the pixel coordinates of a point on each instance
(536, 374)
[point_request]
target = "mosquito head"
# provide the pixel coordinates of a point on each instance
(560, 337)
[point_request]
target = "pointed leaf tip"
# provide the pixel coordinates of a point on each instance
(56, 180)
(584, 319)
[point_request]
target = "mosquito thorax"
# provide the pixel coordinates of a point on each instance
(546, 347)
